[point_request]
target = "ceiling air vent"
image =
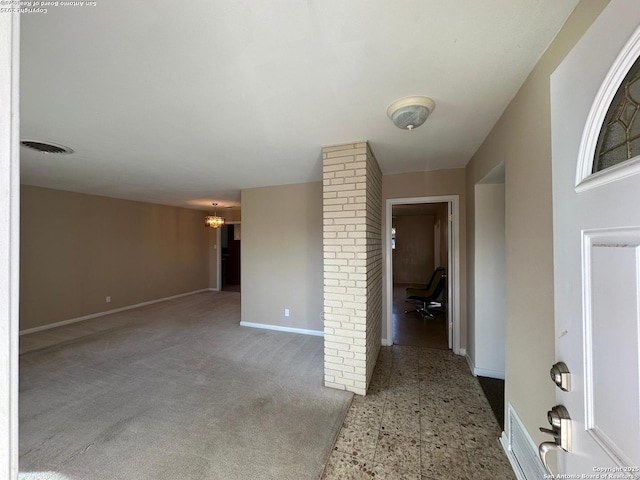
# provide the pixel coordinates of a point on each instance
(46, 147)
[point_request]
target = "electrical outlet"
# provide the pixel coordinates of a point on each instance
(287, 312)
(109, 299)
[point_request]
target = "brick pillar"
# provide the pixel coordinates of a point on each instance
(352, 265)
(374, 261)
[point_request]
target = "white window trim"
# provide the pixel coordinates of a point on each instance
(586, 180)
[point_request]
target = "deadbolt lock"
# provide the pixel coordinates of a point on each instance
(561, 376)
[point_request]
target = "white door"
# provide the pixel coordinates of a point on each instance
(9, 240)
(597, 251)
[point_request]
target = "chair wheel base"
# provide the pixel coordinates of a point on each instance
(423, 312)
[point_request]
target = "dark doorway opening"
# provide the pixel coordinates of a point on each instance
(493, 389)
(230, 239)
(419, 245)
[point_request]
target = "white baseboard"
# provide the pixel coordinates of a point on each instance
(486, 372)
(472, 367)
(386, 343)
(280, 328)
(213, 289)
(483, 372)
(462, 351)
(107, 312)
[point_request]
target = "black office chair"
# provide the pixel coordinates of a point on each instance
(430, 282)
(426, 286)
(428, 295)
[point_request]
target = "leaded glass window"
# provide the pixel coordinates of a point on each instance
(619, 138)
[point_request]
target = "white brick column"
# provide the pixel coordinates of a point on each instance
(352, 265)
(374, 262)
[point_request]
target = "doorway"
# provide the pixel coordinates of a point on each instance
(486, 319)
(452, 295)
(417, 232)
(230, 235)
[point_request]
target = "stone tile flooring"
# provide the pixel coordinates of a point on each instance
(425, 418)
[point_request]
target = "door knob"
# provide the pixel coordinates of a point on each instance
(543, 449)
(561, 376)
(560, 422)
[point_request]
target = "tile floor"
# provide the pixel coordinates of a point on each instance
(425, 418)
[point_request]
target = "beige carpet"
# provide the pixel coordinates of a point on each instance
(175, 390)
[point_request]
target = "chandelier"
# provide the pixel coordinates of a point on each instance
(214, 221)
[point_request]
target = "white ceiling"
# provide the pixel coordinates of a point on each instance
(186, 103)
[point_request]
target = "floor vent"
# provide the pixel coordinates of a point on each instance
(521, 450)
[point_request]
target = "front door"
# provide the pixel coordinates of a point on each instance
(597, 245)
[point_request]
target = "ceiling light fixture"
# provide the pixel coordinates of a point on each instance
(410, 112)
(214, 221)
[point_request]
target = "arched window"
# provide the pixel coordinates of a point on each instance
(619, 138)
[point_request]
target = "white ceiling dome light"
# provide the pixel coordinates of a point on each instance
(410, 112)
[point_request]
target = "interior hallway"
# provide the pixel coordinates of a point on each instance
(425, 418)
(411, 329)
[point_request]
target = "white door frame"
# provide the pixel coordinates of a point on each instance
(9, 241)
(453, 267)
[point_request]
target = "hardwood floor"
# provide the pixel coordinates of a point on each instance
(411, 329)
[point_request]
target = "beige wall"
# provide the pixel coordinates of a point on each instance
(442, 215)
(413, 260)
(486, 324)
(521, 138)
(428, 184)
(78, 249)
(212, 243)
(281, 253)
